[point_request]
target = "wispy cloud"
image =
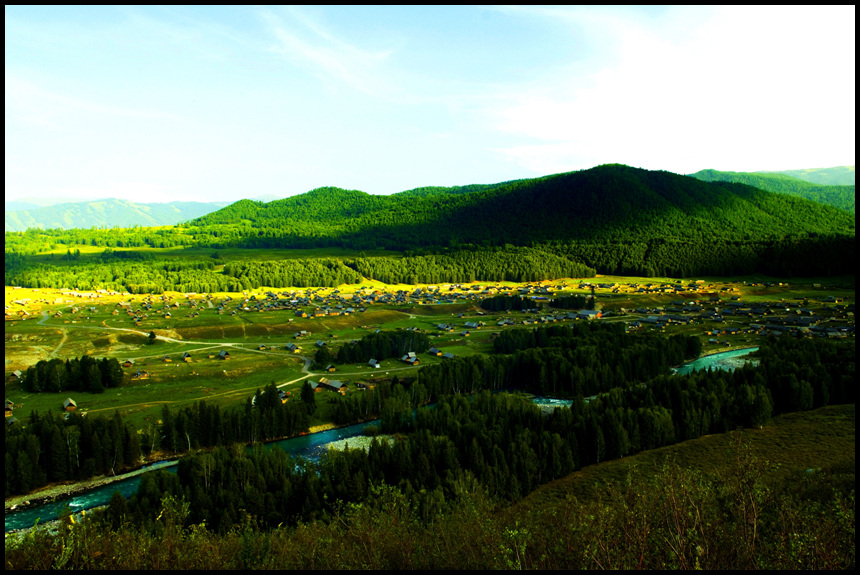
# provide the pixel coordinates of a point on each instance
(306, 43)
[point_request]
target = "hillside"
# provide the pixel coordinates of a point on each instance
(840, 196)
(607, 202)
(613, 219)
(107, 213)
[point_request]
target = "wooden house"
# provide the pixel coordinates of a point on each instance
(333, 385)
(186, 357)
(128, 363)
(69, 404)
(224, 354)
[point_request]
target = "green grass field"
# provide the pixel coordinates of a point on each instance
(89, 325)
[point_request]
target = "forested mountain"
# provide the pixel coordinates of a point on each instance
(840, 196)
(107, 213)
(607, 202)
(452, 190)
(837, 176)
(613, 219)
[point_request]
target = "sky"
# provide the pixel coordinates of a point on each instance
(159, 104)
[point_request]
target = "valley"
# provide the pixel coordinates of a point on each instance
(256, 327)
(435, 327)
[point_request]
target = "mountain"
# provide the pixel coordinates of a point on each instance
(612, 218)
(107, 213)
(837, 176)
(611, 202)
(12, 205)
(840, 196)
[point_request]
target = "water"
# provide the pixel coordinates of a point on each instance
(310, 446)
(727, 360)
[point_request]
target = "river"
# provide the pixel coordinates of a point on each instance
(309, 446)
(727, 360)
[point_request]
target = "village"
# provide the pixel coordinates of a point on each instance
(232, 340)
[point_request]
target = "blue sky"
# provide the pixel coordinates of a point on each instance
(219, 103)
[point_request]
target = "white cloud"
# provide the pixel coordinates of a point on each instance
(746, 88)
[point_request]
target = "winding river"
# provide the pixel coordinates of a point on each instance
(309, 446)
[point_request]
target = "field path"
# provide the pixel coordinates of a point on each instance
(204, 345)
(63, 331)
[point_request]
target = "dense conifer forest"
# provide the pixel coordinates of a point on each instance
(470, 443)
(841, 197)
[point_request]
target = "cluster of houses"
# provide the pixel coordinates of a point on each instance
(776, 317)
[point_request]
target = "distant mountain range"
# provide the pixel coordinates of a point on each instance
(837, 176)
(105, 213)
(799, 183)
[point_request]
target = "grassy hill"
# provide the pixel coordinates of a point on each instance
(840, 196)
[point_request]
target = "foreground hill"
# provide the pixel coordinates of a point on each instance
(107, 213)
(840, 196)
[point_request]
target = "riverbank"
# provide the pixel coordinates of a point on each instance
(716, 351)
(58, 492)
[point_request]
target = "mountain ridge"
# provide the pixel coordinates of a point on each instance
(840, 196)
(109, 212)
(608, 199)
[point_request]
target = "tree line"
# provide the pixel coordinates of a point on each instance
(505, 263)
(382, 345)
(76, 374)
(51, 449)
